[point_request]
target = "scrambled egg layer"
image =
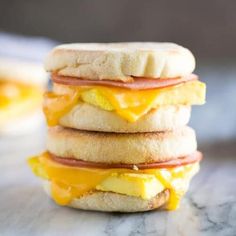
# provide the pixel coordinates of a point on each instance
(17, 98)
(129, 104)
(69, 182)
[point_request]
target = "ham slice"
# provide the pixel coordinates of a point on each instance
(138, 83)
(192, 158)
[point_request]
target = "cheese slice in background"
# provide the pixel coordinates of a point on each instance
(22, 84)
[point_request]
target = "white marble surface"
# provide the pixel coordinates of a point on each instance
(208, 209)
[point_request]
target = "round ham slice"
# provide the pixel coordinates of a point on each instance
(192, 158)
(138, 83)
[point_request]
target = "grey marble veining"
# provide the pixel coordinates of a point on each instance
(208, 209)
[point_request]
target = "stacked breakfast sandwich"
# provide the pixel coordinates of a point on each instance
(117, 116)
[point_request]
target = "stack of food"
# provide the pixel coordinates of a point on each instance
(118, 139)
(21, 92)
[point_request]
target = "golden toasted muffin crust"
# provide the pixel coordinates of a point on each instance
(121, 148)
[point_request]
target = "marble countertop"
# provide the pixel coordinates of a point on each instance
(208, 209)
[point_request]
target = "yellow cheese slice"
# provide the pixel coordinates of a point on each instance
(129, 104)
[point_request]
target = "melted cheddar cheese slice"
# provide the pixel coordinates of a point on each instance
(68, 183)
(129, 104)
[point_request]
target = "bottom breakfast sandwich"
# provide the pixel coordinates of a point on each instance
(84, 170)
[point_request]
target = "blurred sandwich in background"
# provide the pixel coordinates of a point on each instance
(21, 90)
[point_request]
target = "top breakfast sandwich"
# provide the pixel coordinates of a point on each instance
(122, 87)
